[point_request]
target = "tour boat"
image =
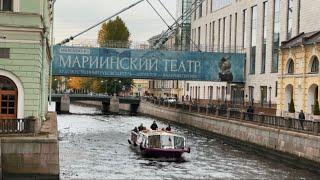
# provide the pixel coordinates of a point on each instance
(158, 144)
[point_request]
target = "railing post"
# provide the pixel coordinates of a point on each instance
(207, 110)
(316, 127)
(198, 107)
(217, 111)
(189, 107)
(261, 118)
(288, 122)
(242, 115)
(228, 113)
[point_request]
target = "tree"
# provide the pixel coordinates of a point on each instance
(316, 110)
(291, 106)
(113, 34)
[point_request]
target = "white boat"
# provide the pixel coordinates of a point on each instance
(158, 143)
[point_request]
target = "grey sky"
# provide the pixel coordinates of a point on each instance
(73, 16)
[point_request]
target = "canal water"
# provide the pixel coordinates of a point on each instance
(96, 147)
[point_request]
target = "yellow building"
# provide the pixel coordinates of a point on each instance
(140, 87)
(299, 77)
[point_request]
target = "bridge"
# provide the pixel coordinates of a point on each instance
(109, 103)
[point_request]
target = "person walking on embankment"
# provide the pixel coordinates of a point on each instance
(301, 118)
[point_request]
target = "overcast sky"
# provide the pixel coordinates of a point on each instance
(73, 16)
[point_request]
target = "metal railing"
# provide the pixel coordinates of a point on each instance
(17, 126)
(305, 126)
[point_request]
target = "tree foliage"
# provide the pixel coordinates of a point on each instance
(112, 32)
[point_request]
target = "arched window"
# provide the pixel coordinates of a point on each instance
(6, 5)
(290, 67)
(8, 98)
(315, 65)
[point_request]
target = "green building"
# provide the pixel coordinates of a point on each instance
(24, 58)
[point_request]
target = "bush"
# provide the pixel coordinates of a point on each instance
(291, 106)
(316, 110)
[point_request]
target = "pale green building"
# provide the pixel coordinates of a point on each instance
(24, 58)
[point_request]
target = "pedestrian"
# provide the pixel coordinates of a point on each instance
(141, 127)
(250, 112)
(135, 129)
(301, 118)
(154, 126)
(168, 128)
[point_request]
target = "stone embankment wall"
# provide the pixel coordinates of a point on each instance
(302, 147)
(32, 157)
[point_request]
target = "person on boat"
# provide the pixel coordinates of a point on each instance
(141, 127)
(154, 126)
(168, 128)
(135, 129)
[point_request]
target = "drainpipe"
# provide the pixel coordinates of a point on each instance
(44, 45)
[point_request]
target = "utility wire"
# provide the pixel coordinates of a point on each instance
(186, 14)
(188, 36)
(158, 14)
(104, 20)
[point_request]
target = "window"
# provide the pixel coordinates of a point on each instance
(230, 32)
(5, 53)
(206, 38)
(188, 86)
(195, 12)
(264, 43)
(276, 36)
(264, 92)
(251, 92)
(290, 67)
(8, 99)
(253, 39)
(6, 5)
(244, 32)
(199, 36)
(289, 20)
(235, 31)
(200, 10)
(276, 94)
(299, 14)
(315, 65)
(218, 4)
(219, 32)
(213, 34)
(223, 33)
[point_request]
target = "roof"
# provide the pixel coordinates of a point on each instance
(157, 132)
(302, 39)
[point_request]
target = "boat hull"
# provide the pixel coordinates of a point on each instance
(163, 153)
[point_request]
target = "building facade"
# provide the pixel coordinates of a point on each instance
(254, 27)
(24, 58)
(299, 78)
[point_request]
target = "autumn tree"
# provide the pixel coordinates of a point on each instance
(113, 34)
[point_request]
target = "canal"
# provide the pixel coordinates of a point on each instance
(96, 147)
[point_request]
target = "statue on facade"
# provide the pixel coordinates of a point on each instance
(225, 73)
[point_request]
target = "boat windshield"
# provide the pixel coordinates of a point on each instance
(178, 142)
(167, 141)
(154, 141)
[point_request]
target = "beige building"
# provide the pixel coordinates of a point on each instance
(140, 87)
(299, 77)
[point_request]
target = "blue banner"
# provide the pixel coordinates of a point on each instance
(148, 64)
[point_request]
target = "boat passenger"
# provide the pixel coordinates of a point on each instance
(135, 129)
(141, 127)
(154, 126)
(168, 128)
